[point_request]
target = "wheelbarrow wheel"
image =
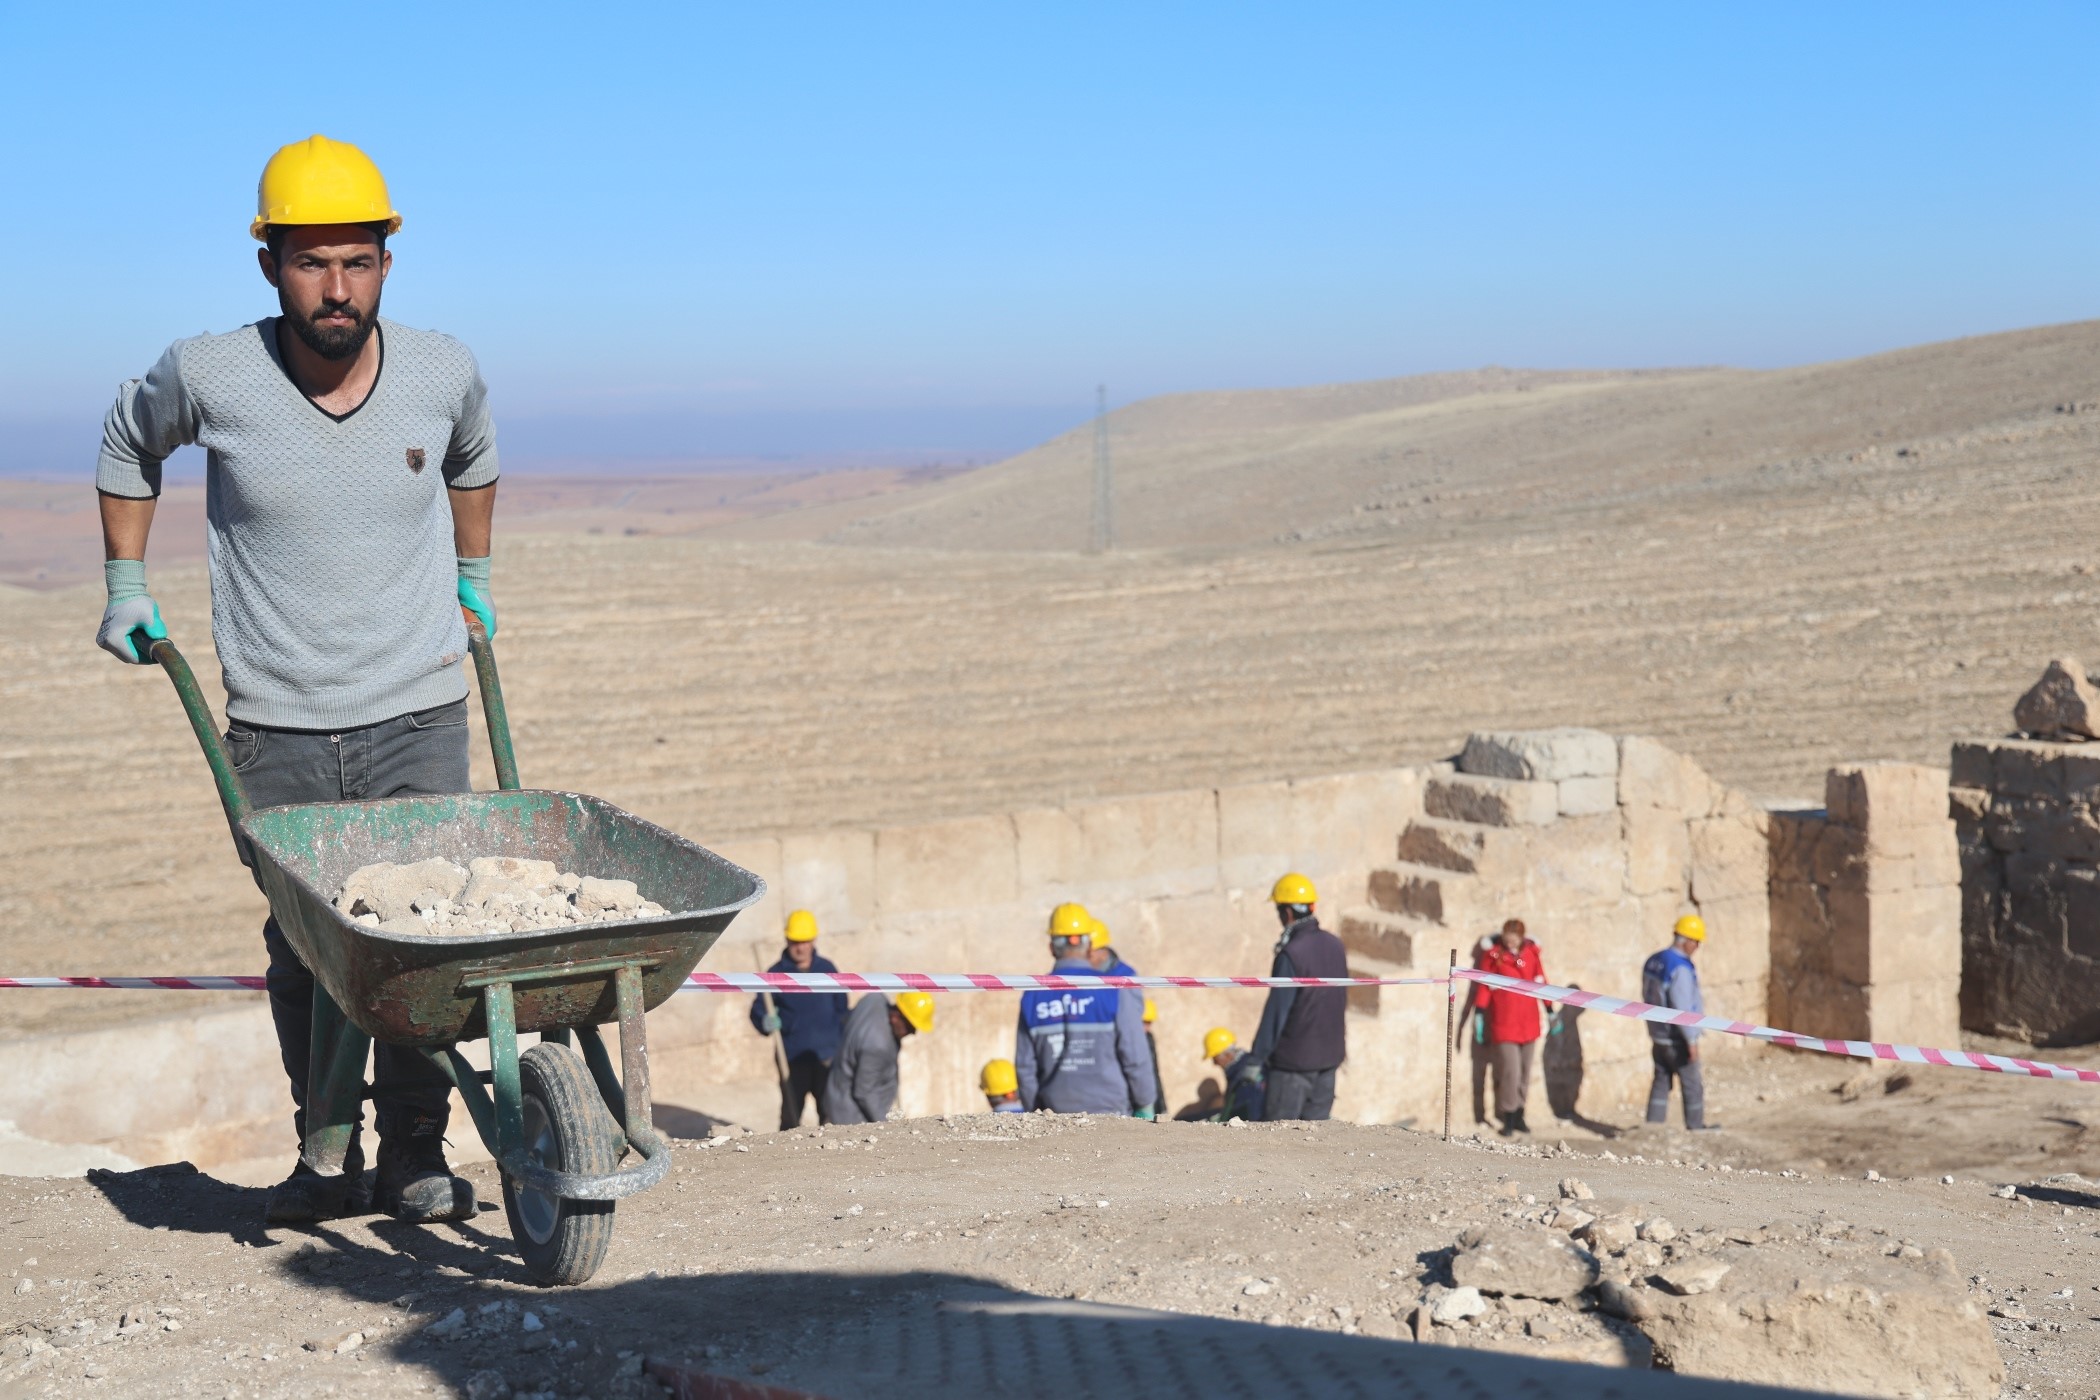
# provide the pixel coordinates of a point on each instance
(568, 1129)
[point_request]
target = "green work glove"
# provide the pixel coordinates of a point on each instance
(1145, 1113)
(771, 1025)
(131, 609)
(474, 594)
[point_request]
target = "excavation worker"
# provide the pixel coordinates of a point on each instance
(1303, 1039)
(1102, 954)
(1002, 1088)
(350, 479)
(1159, 1096)
(1510, 1020)
(1669, 979)
(808, 1023)
(1244, 1093)
(1082, 1051)
(862, 1085)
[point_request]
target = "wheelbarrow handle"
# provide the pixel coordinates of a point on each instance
(202, 723)
(234, 798)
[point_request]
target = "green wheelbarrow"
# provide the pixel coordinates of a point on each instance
(557, 1123)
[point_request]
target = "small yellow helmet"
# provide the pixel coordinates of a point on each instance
(1070, 920)
(1294, 889)
(917, 1008)
(1151, 1011)
(1216, 1039)
(319, 181)
(999, 1078)
(802, 927)
(1096, 932)
(1691, 926)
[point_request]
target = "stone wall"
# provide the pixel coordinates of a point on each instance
(1866, 909)
(1597, 843)
(2028, 816)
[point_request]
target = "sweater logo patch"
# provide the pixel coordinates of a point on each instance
(415, 459)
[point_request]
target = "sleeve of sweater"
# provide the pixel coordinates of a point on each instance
(758, 1014)
(1024, 1060)
(1684, 996)
(1132, 1052)
(1275, 1011)
(150, 419)
(470, 458)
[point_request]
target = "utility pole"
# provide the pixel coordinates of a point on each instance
(1102, 536)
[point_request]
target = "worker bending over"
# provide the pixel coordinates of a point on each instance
(1002, 1088)
(1511, 1020)
(1243, 1078)
(862, 1084)
(1669, 979)
(1082, 1051)
(1303, 1035)
(350, 477)
(808, 1023)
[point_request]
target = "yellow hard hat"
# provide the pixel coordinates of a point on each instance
(1691, 926)
(1070, 921)
(802, 927)
(1151, 1011)
(1096, 932)
(999, 1078)
(1215, 1039)
(917, 1008)
(319, 181)
(1294, 889)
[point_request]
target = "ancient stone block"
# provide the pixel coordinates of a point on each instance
(1342, 822)
(1924, 1011)
(946, 865)
(1654, 775)
(1876, 796)
(1588, 797)
(1730, 857)
(1459, 846)
(1973, 764)
(1658, 851)
(1491, 801)
(1373, 933)
(1738, 940)
(1541, 755)
(1434, 896)
(831, 874)
(2063, 703)
(2078, 773)
(1505, 1260)
(2026, 768)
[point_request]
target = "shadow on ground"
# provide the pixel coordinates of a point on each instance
(463, 1301)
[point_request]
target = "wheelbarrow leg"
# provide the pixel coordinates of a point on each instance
(335, 1086)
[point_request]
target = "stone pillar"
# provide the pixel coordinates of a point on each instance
(1866, 909)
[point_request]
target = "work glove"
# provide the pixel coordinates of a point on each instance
(474, 594)
(130, 609)
(770, 1025)
(1254, 1074)
(1146, 1113)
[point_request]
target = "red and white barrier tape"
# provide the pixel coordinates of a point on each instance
(792, 982)
(1859, 1049)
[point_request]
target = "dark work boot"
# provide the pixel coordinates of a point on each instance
(415, 1184)
(307, 1196)
(1516, 1123)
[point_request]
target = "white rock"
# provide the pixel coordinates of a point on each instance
(1257, 1288)
(1693, 1276)
(1457, 1305)
(451, 1324)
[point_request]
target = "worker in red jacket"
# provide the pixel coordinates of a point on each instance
(1513, 1020)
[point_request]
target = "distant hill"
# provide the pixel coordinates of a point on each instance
(1229, 469)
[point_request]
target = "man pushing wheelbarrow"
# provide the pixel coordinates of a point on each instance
(351, 479)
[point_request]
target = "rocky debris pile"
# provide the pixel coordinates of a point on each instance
(2063, 705)
(1813, 1306)
(493, 894)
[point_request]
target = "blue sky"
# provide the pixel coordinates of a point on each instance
(701, 231)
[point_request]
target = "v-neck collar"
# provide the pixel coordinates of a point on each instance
(276, 353)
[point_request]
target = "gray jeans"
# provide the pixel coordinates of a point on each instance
(1512, 1061)
(1674, 1062)
(424, 752)
(1299, 1093)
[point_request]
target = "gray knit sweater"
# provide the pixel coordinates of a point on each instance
(334, 594)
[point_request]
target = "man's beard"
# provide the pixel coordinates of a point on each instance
(331, 342)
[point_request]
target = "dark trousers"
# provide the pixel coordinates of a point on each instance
(1674, 1063)
(805, 1080)
(1300, 1093)
(425, 752)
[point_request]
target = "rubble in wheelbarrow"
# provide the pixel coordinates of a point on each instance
(492, 894)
